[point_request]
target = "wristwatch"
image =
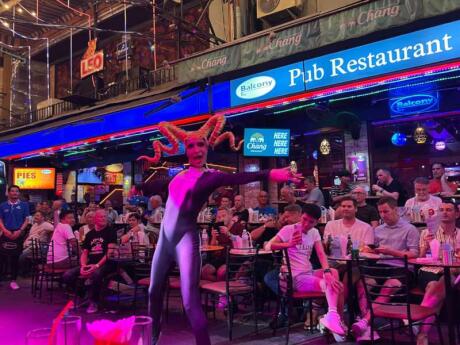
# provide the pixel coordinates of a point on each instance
(327, 270)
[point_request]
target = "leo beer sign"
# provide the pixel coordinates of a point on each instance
(92, 64)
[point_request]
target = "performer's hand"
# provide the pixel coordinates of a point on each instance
(284, 175)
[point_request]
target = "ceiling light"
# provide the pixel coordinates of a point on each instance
(19, 9)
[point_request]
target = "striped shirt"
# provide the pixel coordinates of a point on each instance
(442, 237)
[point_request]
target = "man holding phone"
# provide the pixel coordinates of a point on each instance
(93, 260)
(300, 239)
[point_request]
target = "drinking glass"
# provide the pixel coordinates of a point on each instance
(69, 331)
(142, 331)
(38, 336)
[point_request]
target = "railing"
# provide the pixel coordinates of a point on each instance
(144, 81)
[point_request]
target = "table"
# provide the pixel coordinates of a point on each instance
(250, 251)
(207, 249)
(449, 291)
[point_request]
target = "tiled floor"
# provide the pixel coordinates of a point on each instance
(20, 313)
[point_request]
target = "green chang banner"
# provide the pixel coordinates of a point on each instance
(214, 63)
(351, 23)
(371, 17)
(284, 43)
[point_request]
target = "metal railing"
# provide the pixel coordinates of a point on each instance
(148, 81)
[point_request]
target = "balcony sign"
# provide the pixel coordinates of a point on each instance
(260, 142)
(414, 104)
(92, 64)
(265, 85)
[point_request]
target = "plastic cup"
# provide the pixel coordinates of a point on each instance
(343, 246)
(38, 336)
(69, 330)
(142, 331)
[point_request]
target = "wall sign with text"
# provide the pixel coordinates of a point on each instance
(420, 48)
(34, 178)
(414, 104)
(262, 142)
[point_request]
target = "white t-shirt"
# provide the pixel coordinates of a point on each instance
(429, 208)
(359, 231)
(299, 255)
(62, 233)
(39, 232)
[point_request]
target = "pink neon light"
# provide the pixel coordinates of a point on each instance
(299, 97)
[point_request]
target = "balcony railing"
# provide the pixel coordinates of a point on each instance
(146, 81)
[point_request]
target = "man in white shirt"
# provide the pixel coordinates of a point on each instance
(62, 233)
(423, 202)
(348, 225)
(41, 230)
(300, 239)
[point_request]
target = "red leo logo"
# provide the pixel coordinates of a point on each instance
(92, 64)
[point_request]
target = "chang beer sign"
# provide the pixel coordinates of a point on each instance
(414, 104)
(265, 85)
(263, 142)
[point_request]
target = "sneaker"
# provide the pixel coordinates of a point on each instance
(14, 285)
(279, 322)
(333, 322)
(366, 335)
(422, 339)
(222, 304)
(359, 327)
(92, 308)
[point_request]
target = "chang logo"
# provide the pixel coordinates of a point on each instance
(256, 143)
(46, 171)
(255, 87)
(414, 104)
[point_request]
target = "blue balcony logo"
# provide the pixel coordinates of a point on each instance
(418, 103)
(255, 87)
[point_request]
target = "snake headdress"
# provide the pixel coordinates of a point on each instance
(210, 131)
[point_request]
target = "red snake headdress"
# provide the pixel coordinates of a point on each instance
(212, 128)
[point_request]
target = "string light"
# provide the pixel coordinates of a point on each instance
(325, 147)
(420, 135)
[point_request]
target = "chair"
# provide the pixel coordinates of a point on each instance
(38, 262)
(142, 257)
(240, 281)
(373, 277)
(286, 290)
(43, 253)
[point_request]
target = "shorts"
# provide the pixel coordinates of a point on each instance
(425, 277)
(309, 282)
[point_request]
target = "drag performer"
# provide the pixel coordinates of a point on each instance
(179, 238)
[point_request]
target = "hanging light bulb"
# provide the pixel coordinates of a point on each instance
(440, 145)
(325, 147)
(420, 135)
(399, 139)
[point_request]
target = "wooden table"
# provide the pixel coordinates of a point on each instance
(449, 290)
(206, 249)
(250, 251)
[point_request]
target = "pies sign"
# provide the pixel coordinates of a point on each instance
(92, 64)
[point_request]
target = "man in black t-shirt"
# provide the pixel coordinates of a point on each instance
(365, 212)
(240, 213)
(94, 266)
(388, 186)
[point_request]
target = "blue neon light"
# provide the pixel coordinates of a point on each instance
(110, 123)
(414, 104)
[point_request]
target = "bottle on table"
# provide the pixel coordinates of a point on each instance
(204, 238)
(329, 244)
(349, 245)
(245, 239)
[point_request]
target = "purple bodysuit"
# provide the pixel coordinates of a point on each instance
(180, 242)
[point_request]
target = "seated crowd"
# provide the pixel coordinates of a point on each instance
(312, 247)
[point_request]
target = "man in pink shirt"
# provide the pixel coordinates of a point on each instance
(439, 184)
